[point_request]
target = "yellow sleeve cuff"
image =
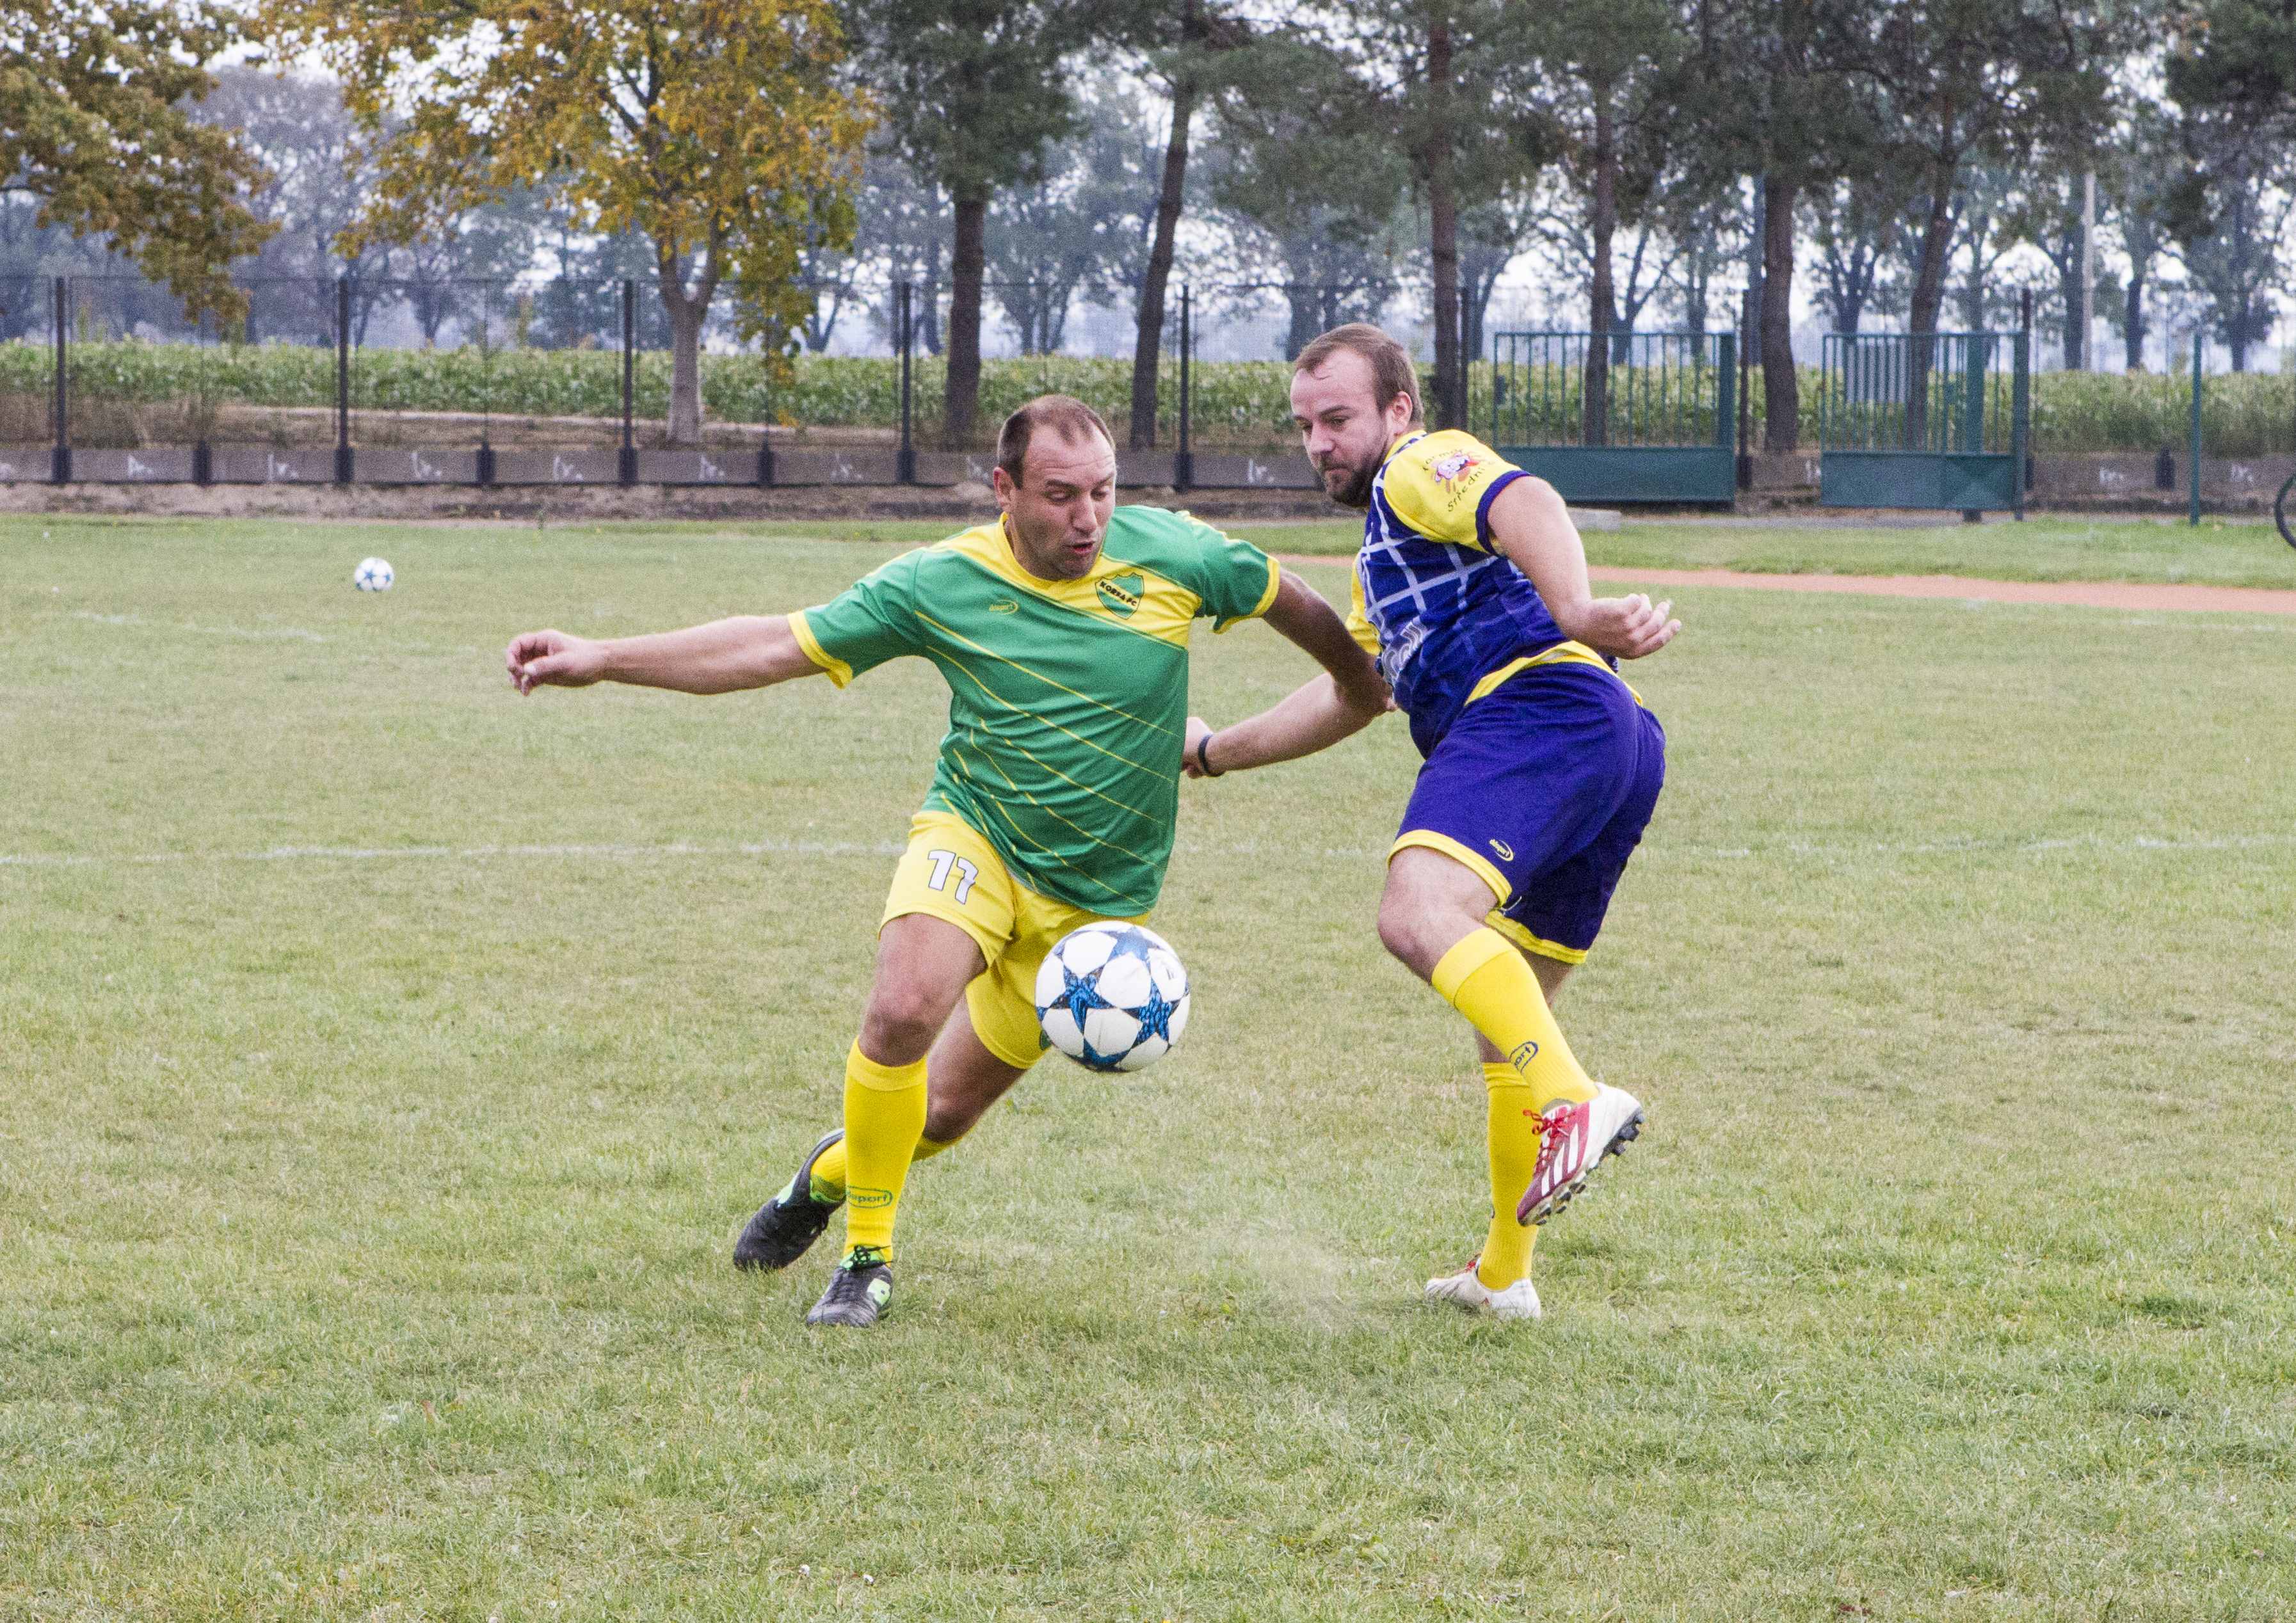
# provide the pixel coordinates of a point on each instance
(1275, 579)
(838, 670)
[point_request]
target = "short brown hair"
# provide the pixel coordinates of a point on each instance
(1391, 371)
(1063, 414)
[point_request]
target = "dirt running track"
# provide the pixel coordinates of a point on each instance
(2129, 596)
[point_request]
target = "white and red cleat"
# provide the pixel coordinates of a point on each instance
(1575, 1139)
(1519, 1300)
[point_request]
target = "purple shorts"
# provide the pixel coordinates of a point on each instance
(1544, 787)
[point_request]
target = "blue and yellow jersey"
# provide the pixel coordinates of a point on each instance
(1439, 607)
(1068, 699)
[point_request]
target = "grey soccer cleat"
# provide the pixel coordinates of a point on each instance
(857, 1290)
(786, 1227)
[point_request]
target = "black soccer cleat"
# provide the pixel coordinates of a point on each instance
(858, 1291)
(786, 1227)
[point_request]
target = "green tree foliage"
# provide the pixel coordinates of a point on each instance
(1078, 223)
(2232, 72)
(97, 120)
(717, 128)
(1771, 96)
(1311, 204)
(971, 91)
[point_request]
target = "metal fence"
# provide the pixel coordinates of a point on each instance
(1935, 420)
(404, 381)
(1619, 417)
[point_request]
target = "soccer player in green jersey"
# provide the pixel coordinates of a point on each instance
(1062, 631)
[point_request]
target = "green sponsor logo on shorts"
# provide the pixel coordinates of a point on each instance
(1121, 592)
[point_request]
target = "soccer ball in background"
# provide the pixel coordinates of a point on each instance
(1112, 996)
(372, 575)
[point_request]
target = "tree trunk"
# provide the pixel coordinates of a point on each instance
(685, 311)
(1443, 229)
(1602, 219)
(928, 317)
(1928, 294)
(961, 399)
(684, 370)
(1758, 254)
(1781, 384)
(2132, 332)
(1306, 319)
(1147, 347)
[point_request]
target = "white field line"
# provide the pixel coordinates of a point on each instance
(270, 634)
(625, 852)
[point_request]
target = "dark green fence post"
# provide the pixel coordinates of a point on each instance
(904, 320)
(343, 380)
(626, 465)
(1725, 405)
(2020, 407)
(60, 455)
(1184, 460)
(1746, 396)
(1976, 349)
(2197, 340)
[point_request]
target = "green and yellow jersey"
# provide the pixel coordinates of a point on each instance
(1068, 699)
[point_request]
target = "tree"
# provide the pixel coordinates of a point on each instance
(1989, 216)
(1854, 228)
(1184, 47)
(2234, 252)
(1604, 76)
(2140, 184)
(1702, 226)
(1641, 259)
(1771, 98)
(1446, 78)
(1491, 234)
(972, 90)
(2232, 71)
(96, 121)
(1073, 225)
(902, 233)
(717, 128)
(1957, 80)
(1313, 212)
(317, 180)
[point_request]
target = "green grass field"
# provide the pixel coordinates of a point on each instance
(2221, 551)
(386, 1063)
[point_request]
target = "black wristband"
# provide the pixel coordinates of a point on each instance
(1204, 761)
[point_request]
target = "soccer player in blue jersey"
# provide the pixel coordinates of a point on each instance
(1542, 767)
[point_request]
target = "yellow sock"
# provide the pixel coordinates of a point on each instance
(1511, 1131)
(1487, 981)
(828, 1183)
(884, 1117)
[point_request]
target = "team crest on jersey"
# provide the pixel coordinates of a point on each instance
(1121, 592)
(1445, 469)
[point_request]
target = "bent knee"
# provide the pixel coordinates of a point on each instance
(1398, 929)
(901, 1022)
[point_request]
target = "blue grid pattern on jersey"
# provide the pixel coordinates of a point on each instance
(1412, 586)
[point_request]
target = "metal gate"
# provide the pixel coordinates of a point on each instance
(1626, 418)
(1934, 420)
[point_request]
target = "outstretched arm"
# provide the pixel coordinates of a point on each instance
(1530, 527)
(722, 657)
(1334, 706)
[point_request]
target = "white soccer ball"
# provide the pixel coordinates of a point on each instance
(1112, 996)
(372, 575)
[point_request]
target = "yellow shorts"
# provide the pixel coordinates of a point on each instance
(951, 872)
